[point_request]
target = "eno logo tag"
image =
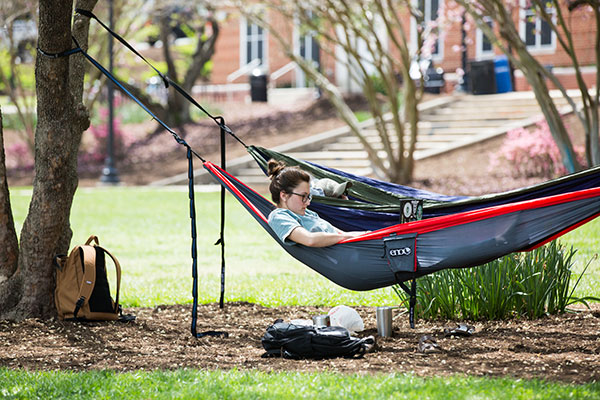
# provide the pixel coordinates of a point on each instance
(405, 251)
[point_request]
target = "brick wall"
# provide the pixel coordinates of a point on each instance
(226, 59)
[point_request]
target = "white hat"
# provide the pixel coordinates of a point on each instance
(331, 188)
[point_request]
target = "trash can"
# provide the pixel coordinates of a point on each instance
(258, 87)
(482, 79)
(434, 80)
(503, 78)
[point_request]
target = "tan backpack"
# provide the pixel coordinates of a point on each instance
(82, 291)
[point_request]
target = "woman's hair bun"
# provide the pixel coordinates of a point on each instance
(274, 167)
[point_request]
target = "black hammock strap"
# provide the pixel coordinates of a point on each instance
(218, 120)
(167, 81)
(190, 154)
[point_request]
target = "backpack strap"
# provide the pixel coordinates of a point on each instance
(118, 268)
(93, 238)
(88, 281)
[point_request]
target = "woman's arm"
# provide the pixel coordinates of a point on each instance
(319, 239)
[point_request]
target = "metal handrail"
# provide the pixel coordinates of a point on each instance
(243, 70)
(282, 71)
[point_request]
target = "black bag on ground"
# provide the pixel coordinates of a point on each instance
(286, 340)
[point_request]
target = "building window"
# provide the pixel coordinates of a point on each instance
(253, 43)
(535, 31)
(307, 47)
(430, 9)
(484, 45)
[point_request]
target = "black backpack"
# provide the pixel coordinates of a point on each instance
(287, 340)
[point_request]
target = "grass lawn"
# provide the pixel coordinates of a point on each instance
(194, 384)
(148, 230)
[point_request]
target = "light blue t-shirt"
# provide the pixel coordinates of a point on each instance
(283, 222)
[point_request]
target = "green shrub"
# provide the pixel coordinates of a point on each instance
(530, 284)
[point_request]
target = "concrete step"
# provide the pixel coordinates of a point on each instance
(461, 123)
(475, 117)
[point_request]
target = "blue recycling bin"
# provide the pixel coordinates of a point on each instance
(503, 79)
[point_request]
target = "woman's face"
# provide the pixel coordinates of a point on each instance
(294, 201)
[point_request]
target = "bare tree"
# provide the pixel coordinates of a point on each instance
(127, 18)
(17, 47)
(203, 27)
(506, 37)
(26, 271)
(376, 48)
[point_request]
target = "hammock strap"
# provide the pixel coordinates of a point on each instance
(195, 253)
(65, 53)
(167, 81)
(190, 153)
(412, 292)
(222, 235)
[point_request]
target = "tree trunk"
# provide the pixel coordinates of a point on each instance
(61, 120)
(548, 107)
(174, 110)
(9, 248)
(205, 49)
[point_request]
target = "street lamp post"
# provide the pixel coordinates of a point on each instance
(463, 42)
(109, 172)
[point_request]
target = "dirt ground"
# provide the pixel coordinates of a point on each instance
(562, 348)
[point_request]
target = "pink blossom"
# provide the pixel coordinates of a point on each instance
(532, 153)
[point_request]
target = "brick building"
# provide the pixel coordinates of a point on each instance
(241, 42)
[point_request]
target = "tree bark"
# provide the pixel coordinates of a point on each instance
(61, 120)
(9, 248)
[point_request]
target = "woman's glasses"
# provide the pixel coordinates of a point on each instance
(306, 197)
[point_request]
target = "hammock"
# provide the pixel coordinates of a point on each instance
(375, 204)
(406, 251)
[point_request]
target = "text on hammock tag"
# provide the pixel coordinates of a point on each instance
(406, 251)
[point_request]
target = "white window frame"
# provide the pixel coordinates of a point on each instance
(538, 47)
(481, 54)
(426, 18)
(244, 42)
(309, 39)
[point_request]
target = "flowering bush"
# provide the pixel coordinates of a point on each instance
(18, 157)
(94, 146)
(532, 153)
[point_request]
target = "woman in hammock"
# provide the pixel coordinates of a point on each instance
(291, 221)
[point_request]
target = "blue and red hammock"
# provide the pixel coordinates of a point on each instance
(402, 252)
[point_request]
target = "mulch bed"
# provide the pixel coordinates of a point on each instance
(563, 348)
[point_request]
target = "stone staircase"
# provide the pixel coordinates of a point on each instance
(446, 123)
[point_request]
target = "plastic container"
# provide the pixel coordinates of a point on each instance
(503, 79)
(258, 87)
(482, 79)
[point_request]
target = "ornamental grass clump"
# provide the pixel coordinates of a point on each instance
(530, 285)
